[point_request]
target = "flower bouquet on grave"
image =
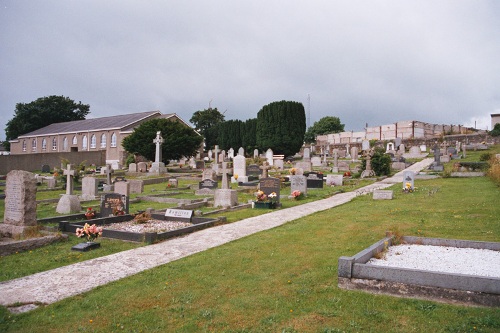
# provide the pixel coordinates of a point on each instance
(89, 214)
(407, 188)
(292, 171)
(297, 195)
(91, 232)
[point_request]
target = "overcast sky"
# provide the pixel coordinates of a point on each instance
(371, 61)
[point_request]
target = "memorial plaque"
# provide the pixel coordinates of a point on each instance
(208, 183)
(179, 213)
(383, 194)
(114, 204)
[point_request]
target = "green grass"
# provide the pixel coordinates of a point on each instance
(56, 255)
(285, 279)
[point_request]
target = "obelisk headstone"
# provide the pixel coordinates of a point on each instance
(20, 204)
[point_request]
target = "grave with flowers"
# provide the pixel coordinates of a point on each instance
(268, 195)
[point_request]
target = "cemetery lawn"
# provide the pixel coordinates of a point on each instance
(285, 279)
(56, 255)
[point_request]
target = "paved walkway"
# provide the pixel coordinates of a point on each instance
(54, 285)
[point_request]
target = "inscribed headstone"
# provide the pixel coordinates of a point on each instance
(122, 188)
(240, 169)
(316, 161)
(269, 185)
(113, 204)
(298, 183)
(409, 178)
(314, 180)
(307, 154)
(142, 167)
(89, 188)
(45, 168)
(208, 183)
(132, 167)
(334, 180)
(136, 186)
(383, 194)
(270, 157)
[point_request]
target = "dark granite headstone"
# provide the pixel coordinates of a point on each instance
(45, 168)
(208, 183)
(113, 204)
(314, 180)
(269, 185)
(253, 170)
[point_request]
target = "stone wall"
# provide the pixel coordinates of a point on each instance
(33, 162)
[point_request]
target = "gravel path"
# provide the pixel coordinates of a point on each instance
(442, 259)
(149, 226)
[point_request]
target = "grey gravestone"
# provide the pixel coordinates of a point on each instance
(204, 191)
(298, 183)
(45, 168)
(365, 145)
(136, 186)
(383, 194)
(316, 161)
(269, 185)
(398, 142)
(240, 169)
(200, 165)
(278, 163)
(270, 156)
(132, 167)
(343, 166)
(354, 153)
(112, 203)
(51, 183)
(89, 188)
(122, 188)
(142, 167)
(304, 165)
(334, 180)
(209, 174)
(20, 203)
(314, 180)
(208, 183)
(409, 177)
(253, 170)
(307, 155)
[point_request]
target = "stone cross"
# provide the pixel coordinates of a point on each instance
(108, 171)
(225, 171)
(265, 166)
(69, 173)
(216, 157)
(437, 154)
(158, 141)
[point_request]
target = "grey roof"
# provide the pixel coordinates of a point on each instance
(95, 124)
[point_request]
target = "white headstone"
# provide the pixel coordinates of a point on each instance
(307, 154)
(240, 169)
(241, 151)
(255, 153)
(334, 180)
(270, 156)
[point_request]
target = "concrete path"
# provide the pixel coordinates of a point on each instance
(54, 285)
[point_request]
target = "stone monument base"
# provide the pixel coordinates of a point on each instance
(241, 179)
(225, 198)
(68, 204)
(158, 167)
(15, 231)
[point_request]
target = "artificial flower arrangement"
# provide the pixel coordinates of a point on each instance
(293, 171)
(407, 188)
(91, 232)
(260, 196)
(296, 195)
(118, 210)
(89, 214)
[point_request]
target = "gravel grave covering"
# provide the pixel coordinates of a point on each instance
(442, 259)
(149, 226)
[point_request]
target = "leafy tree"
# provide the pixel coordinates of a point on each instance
(29, 117)
(496, 130)
(204, 121)
(229, 135)
(325, 125)
(380, 162)
(249, 135)
(178, 140)
(281, 127)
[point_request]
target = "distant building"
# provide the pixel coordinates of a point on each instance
(495, 119)
(106, 133)
(410, 129)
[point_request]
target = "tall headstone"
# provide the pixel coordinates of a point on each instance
(255, 153)
(20, 204)
(298, 183)
(69, 203)
(230, 153)
(225, 197)
(241, 151)
(158, 166)
(307, 155)
(240, 169)
(132, 167)
(354, 153)
(270, 157)
(89, 188)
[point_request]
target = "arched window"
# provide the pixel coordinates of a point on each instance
(75, 140)
(113, 140)
(93, 141)
(65, 144)
(24, 145)
(54, 144)
(44, 144)
(103, 140)
(33, 145)
(84, 142)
